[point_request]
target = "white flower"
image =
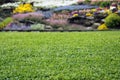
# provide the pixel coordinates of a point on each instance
(10, 4)
(52, 3)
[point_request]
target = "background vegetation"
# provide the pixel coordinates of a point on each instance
(7, 1)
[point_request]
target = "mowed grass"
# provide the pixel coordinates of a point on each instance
(60, 56)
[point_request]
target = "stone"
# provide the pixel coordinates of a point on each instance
(87, 23)
(1, 19)
(89, 28)
(48, 27)
(60, 28)
(95, 25)
(103, 20)
(90, 18)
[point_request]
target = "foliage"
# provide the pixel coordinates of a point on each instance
(23, 8)
(99, 16)
(102, 3)
(60, 56)
(37, 27)
(113, 21)
(87, 1)
(119, 6)
(7, 1)
(23, 0)
(5, 12)
(102, 27)
(105, 4)
(1, 25)
(5, 22)
(97, 3)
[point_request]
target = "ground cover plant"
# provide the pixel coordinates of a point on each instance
(60, 56)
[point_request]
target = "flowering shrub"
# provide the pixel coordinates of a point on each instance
(75, 15)
(57, 23)
(102, 27)
(20, 16)
(35, 17)
(25, 20)
(89, 14)
(23, 8)
(32, 15)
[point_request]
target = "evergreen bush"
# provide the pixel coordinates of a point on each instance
(113, 21)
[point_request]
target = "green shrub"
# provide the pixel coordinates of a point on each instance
(37, 27)
(113, 21)
(105, 4)
(102, 3)
(97, 3)
(5, 22)
(1, 25)
(87, 1)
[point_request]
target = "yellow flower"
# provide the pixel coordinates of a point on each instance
(22, 8)
(75, 15)
(89, 14)
(14, 11)
(119, 7)
(93, 10)
(21, 5)
(102, 27)
(109, 11)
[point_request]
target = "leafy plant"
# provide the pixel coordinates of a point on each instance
(37, 27)
(1, 25)
(113, 21)
(7, 1)
(87, 1)
(6, 22)
(105, 4)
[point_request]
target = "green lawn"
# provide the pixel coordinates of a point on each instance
(60, 56)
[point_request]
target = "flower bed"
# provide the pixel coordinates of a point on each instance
(26, 17)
